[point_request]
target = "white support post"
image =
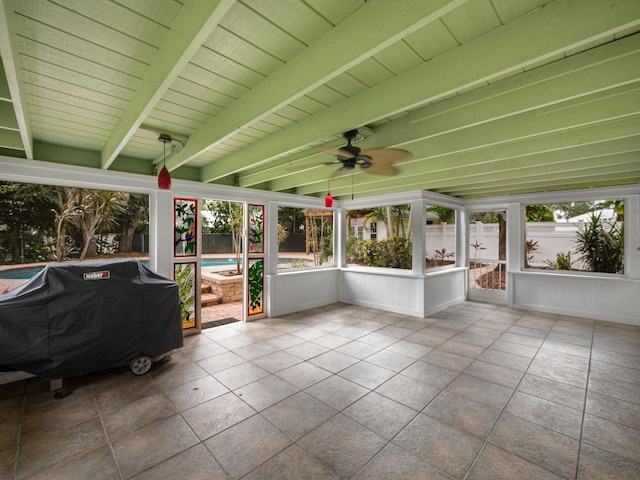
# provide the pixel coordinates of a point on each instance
(271, 230)
(462, 237)
(632, 242)
(161, 233)
(515, 245)
(340, 235)
(515, 237)
(418, 233)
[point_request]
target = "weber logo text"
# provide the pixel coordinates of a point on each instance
(96, 275)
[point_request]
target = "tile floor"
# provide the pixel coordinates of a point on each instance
(474, 392)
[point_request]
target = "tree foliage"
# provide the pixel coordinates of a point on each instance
(392, 252)
(396, 219)
(133, 218)
(538, 213)
(601, 246)
(26, 221)
(41, 222)
(445, 215)
(226, 218)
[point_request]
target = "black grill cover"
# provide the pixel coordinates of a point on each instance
(80, 317)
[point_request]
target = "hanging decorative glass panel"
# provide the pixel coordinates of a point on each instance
(256, 286)
(256, 229)
(185, 276)
(185, 227)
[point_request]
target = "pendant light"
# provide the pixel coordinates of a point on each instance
(164, 178)
(328, 200)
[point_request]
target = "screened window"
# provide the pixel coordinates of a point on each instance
(380, 237)
(440, 236)
(305, 238)
(575, 236)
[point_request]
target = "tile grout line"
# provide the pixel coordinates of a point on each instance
(486, 439)
(19, 436)
(584, 405)
(106, 434)
(178, 412)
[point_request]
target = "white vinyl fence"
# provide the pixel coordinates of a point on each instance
(552, 238)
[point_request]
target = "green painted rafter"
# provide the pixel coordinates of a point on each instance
(513, 96)
(12, 69)
(461, 68)
(523, 134)
(194, 23)
(456, 169)
(320, 62)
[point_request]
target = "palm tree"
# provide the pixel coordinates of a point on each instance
(135, 211)
(65, 216)
(380, 214)
(393, 218)
(97, 210)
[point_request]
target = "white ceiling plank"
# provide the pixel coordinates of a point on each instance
(10, 60)
(320, 62)
(194, 23)
(459, 68)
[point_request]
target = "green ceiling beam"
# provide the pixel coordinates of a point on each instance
(519, 187)
(5, 93)
(493, 142)
(606, 67)
(615, 137)
(194, 23)
(10, 139)
(460, 173)
(8, 116)
(501, 175)
(12, 70)
(627, 167)
(482, 141)
(291, 165)
(542, 181)
(612, 65)
(464, 67)
(322, 61)
(610, 182)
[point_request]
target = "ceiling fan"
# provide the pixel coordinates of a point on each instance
(378, 161)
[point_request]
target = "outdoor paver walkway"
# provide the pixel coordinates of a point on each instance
(221, 311)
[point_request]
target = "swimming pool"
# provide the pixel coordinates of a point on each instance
(25, 273)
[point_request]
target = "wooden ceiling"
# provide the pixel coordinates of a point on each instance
(491, 97)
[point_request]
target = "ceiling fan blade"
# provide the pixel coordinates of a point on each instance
(385, 155)
(378, 168)
(341, 152)
(336, 172)
(306, 166)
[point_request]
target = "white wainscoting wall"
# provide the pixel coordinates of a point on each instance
(403, 293)
(443, 289)
(612, 299)
(385, 291)
(295, 291)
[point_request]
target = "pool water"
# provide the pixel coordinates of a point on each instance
(28, 272)
(20, 273)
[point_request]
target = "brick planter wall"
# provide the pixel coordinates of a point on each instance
(228, 288)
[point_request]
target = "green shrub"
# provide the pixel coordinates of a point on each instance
(392, 252)
(601, 249)
(563, 261)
